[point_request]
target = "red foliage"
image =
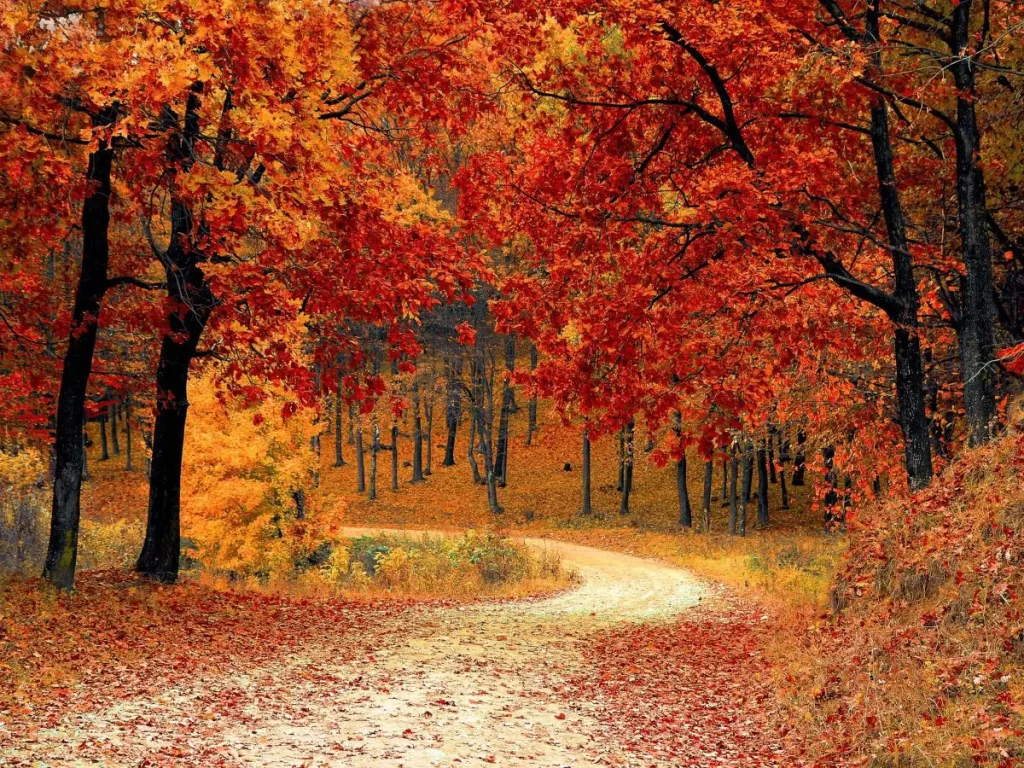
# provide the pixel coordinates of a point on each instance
(694, 692)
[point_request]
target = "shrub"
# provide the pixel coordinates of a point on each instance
(470, 564)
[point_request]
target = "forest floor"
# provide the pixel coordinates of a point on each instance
(641, 664)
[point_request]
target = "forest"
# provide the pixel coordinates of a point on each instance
(463, 382)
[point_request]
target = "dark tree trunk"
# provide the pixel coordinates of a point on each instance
(428, 409)
(910, 389)
(417, 436)
(115, 442)
(799, 459)
(299, 497)
(831, 496)
(374, 448)
(977, 336)
(622, 461)
(734, 512)
(339, 458)
(709, 471)
(351, 424)
(531, 424)
(748, 475)
(360, 461)
(629, 453)
(128, 433)
(507, 404)
(471, 453)
(587, 506)
(454, 411)
(104, 453)
(762, 488)
(682, 491)
(191, 301)
(725, 482)
(68, 450)
(772, 476)
(394, 456)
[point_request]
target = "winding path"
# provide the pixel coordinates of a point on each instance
(475, 685)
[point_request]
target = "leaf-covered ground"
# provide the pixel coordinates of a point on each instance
(642, 665)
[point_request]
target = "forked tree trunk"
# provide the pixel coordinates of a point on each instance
(191, 302)
(68, 450)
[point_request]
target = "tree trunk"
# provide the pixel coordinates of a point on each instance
(734, 465)
(772, 476)
(709, 471)
(351, 424)
(507, 404)
(394, 457)
(799, 459)
(622, 461)
(682, 491)
(191, 302)
(531, 424)
(360, 461)
(128, 433)
(104, 453)
(725, 483)
(586, 507)
(339, 459)
(977, 336)
(627, 467)
(762, 488)
(374, 448)
(69, 453)
(428, 409)
(417, 436)
(471, 453)
(748, 474)
(115, 442)
(454, 411)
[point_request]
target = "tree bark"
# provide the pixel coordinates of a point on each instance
(360, 461)
(191, 302)
(507, 404)
(627, 467)
(586, 507)
(394, 456)
(104, 453)
(762, 488)
(115, 442)
(417, 436)
(682, 491)
(454, 410)
(374, 448)
(128, 433)
(734, 513)
(339, 458)
(531, 424)
(977, 336)
(428, 409)
(799, 459)
(748, 473)
(709, 471)
(68, 450)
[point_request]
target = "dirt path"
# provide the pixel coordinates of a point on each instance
(477, 685)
